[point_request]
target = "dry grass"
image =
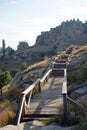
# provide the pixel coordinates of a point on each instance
(8, 106)
(37, 65)
(81, 49)
(7, 116)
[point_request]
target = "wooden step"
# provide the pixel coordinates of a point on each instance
(30, 117)
(43, 111)
(58, 72)
(47, 100)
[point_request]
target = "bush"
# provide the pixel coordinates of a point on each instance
(23, 66)
(5, 79)
(7, 117)
(83, 116)
(83, 73)
(71, 77)
(81, 78)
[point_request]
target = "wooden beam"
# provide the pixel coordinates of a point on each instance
(64, 110)
(31, 87)
(20, 109)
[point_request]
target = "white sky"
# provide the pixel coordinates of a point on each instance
(23, 20)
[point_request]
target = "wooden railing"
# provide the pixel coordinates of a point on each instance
(64, 92)
(36, 87)
(45, 78)
(28, 93)
(67, 99)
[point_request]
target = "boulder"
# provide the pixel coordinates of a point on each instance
(79, 92)
(75, 86)
(16, 81)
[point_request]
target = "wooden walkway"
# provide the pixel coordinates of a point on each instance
(50, 97)
(47, 102)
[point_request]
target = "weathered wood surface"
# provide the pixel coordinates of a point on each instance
(48, 100)
(59, 65)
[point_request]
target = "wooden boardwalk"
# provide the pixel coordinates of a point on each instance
(47, 102)
(50, 97)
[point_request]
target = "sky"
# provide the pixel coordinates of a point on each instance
(24, 20)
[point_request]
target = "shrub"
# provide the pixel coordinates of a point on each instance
(7, 117)
(23, 66)
(83, 73)
(72, 115)
(71, 77)
(83, 116)
(5, 78)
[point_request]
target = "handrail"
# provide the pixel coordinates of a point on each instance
(64, 92)
(67, 99)
(64, 88)
(31, 87)
(19, 110)
(46, 75)
(71, 101)
(22, 101)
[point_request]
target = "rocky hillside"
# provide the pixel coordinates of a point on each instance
(77, 84)
(62, 36)
(73, 32)
(77, 74)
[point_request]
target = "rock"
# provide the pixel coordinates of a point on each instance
(75, 86)
(82, 98)
(70, 49)
(79, 59)
(16, 81)
(79, 92)
(22, 46)
(68, 33)
(36, 125)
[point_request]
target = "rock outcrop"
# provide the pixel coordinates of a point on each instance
(69, 32)
(22, 46)
(76, 91)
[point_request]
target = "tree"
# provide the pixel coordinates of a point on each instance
(5, 78)
(3, 48)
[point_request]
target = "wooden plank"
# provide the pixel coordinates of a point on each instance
(46, 101)
(20, 109)
(54, 111)
(43, 112)
(44, 104)
(49, 97)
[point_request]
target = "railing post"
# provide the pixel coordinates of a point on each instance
(65, 109)
(39, 88)
(21, 110)
(46, 79)
(29, 98)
